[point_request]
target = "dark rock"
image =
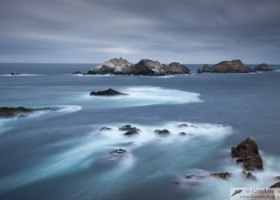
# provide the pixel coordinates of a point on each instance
(262, 67)
(77, 72)
(177, 68)
(247, 151)
(14, 74)
(275, 185)
(105, 128)
(183, 125)
(182, 133)
(129, 130)
(22, 111)
(162, 132)
(118, 153)
(148, 67)
(277, 178)
(205, 69)
(248, 175)
(133, 131)
(220, 175)
(109, 92)
(234, 66)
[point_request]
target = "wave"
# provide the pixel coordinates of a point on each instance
(144, 96)
(93, 150)
(21, 75)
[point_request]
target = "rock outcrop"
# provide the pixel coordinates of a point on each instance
(162, 132)
(205, 69)
(247, 153)
(109, 92)
(234, 66)
(177, 68)
(119, 153)
(22, 111)
(275, 185)
(145, 67)
(220, 175)
(113, 66)
(130, 130)
(262, 67)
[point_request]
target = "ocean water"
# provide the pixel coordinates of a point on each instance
(63, 155)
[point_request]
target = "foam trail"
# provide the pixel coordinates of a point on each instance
(21, 75)
(86, 152)
(144, 96)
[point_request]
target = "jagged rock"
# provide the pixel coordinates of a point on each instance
(247, 152)
(262, 67)
(248, 175)
(205, 69)
(177, 68)
(148, 67)
(183, 125)
(145, 67)
(109, 92)
(275, 185)
(105, 128)
(220, 175)
(234, 66)
(22, 111)
(113, 66)
(162, 132)
(129, 130)
(118, 153)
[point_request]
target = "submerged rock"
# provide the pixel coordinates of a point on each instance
(77, 73)
(248, 175)
(22, 111)
(118, 153)
(109, 92)
(220, 175)
(247, 152)
(14, 74)
(162, 132)
(105, 128)
(262, 67)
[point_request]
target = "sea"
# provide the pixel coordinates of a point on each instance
(64, 154)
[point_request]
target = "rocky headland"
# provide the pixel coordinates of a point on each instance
(6, 112)
(145, 67)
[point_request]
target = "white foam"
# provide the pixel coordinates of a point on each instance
(84, 152)
(144, 96)
(21, 75)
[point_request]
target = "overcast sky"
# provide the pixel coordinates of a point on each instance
(92, 31)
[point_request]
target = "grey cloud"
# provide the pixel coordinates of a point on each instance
(189, 31)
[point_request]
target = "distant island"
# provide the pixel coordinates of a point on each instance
(146, 67)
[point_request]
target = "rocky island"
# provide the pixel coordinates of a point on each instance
(234, 66)
(145, 67)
